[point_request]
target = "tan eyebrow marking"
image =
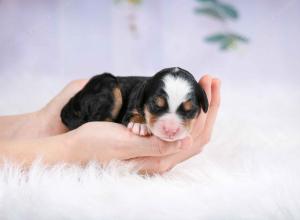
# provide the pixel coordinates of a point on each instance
(187, 105)
(160, 102)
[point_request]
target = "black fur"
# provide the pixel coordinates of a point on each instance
(93, 103)
(96, 100)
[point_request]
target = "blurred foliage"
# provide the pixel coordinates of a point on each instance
(133, 2)
(132, 24)
(215, 9)
(226, 40)
(223, 12)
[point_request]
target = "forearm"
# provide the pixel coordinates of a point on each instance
(31, 125)
(51, 150)
(17, 126)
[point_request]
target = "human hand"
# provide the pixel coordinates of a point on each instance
(49, 116)
(104, 141)
(201, 132)
(122, 144)
(100, 141)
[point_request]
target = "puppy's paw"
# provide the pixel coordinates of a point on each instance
(138, 128)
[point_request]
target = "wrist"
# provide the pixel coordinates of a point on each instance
(50, 122)
(19, 126)
(76, 151)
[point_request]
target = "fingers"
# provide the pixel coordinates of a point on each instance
(214, 107)
(162, 163)
(205, 136)
(205, 82)
(152, 146)
(151, 165)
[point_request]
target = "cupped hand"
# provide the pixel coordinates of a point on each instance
(101, 141)
(201, 132)
(49, 116)
(104, 141)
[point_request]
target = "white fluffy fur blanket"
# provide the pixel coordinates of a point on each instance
(250, 170)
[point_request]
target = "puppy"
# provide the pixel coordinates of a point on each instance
(165, 105)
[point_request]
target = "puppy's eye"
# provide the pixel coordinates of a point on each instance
(160, 102)
(158, 105)
(187, 105)
(187, 109)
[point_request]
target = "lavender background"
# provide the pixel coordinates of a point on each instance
(45, 44)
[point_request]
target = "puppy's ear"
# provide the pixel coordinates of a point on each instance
(202, 98)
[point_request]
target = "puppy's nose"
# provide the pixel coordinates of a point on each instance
(170, 131)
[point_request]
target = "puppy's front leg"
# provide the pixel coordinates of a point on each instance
(137, 125)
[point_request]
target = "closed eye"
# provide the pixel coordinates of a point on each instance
(187, 105)
(187, 109)
(158, 105)
(160, 102)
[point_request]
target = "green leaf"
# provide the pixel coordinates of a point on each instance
(215, 38)
(218, 10)
(226, 40)
(212, 12)
(135, 2)
(228, 10)
(117, 1)
(239, 38)
(207, 1)
(226, 44)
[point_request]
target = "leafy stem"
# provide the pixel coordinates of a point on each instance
(222, 12)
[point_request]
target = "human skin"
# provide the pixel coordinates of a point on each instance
(23, 138)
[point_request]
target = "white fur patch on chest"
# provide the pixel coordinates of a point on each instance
(177, 89)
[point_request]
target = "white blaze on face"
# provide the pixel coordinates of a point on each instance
(177, 90)
(169, 126)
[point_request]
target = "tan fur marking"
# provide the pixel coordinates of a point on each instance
(150, 119)
(187, 105)
(117, 102)
(108, 119)
(137, 118)
(160, 102)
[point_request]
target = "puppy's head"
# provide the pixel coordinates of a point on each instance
(171, 100)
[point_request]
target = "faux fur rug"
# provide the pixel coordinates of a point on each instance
(250, 170)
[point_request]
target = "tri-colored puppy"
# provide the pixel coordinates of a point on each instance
(164, 105)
